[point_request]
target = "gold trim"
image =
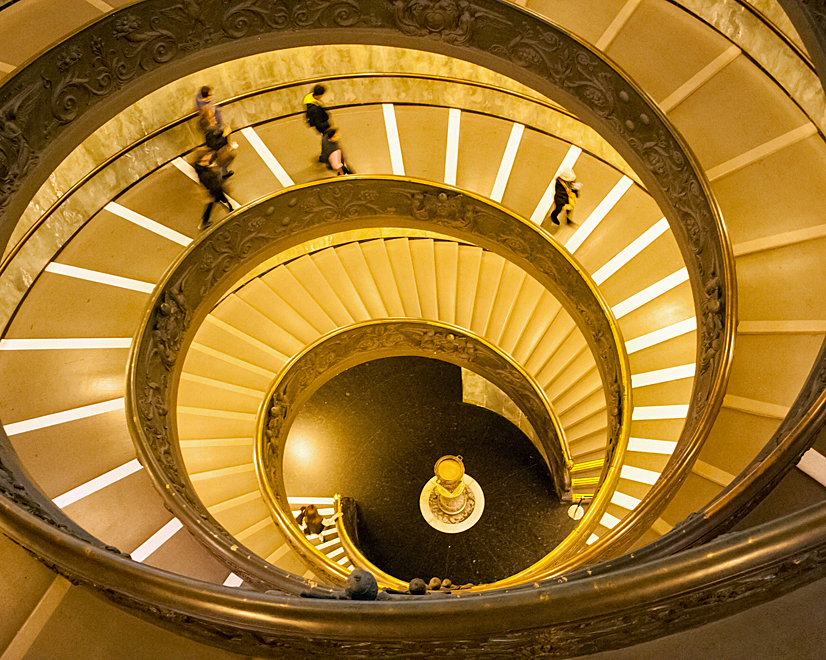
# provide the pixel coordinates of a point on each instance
(359, 560)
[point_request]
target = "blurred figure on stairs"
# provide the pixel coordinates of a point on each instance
(566, 192)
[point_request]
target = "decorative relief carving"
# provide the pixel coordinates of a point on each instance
(16, 157)
(451, 21)
(258, 15)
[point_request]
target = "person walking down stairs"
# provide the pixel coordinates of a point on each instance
(211, 178)
(566, 193)
(331, 153)
(315, 113)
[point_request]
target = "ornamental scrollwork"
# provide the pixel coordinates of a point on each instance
(258, 15)
(16, 156)
(451, 21)
(229, 247)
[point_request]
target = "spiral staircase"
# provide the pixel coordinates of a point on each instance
(92, 244)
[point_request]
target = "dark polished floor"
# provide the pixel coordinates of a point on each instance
(374, 433)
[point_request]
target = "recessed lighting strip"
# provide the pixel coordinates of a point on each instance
(156, 540)
(650, 293)
(98, 483)
(663, 375)
(813, 463)
(547, 200)
(393, 142)
(661, 335)
(639, 474)
(628, 253)
(598, 214)
(659, 412)
(233, 581)
(506, 165)
(61, 344)
(266, 155)
(146, 223)
(100, 278)
(651, 446)
(625, 501)
(454, 119)
(62, 417)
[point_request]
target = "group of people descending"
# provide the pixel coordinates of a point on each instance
(566, 193)
(213, 160)
(318, 118)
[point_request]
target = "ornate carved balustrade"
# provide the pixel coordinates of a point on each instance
(50, 105)
(213, 265)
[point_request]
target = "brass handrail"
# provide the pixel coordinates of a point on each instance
(355, 555)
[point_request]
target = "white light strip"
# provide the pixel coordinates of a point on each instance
(187, 169)
(393, 138)
(5, 67)
(156, 540)
(608, 520)
(651, 446)
(813, 463)
(146, 223)
(592, 539)
(266, 155)
(638, 474)
(598, 214)
(625, 501)
(624, 256)
(650, 293)
(327, 544)
(659, 412)
(62, 417)
(547, 200)
(506, 165)
(661, 335)
(335, 553)
(454, 119)
(311, 500)
(60, 344)
(100, 278)
(233, 581)
(662, 375)
(98, 483)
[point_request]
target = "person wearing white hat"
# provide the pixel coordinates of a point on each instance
(566, 192)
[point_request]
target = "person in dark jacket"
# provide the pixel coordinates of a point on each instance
(211, 178)
(566, 192)
(316, 114)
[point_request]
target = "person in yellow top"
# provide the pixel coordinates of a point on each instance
(316, 115)
(566, 192)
